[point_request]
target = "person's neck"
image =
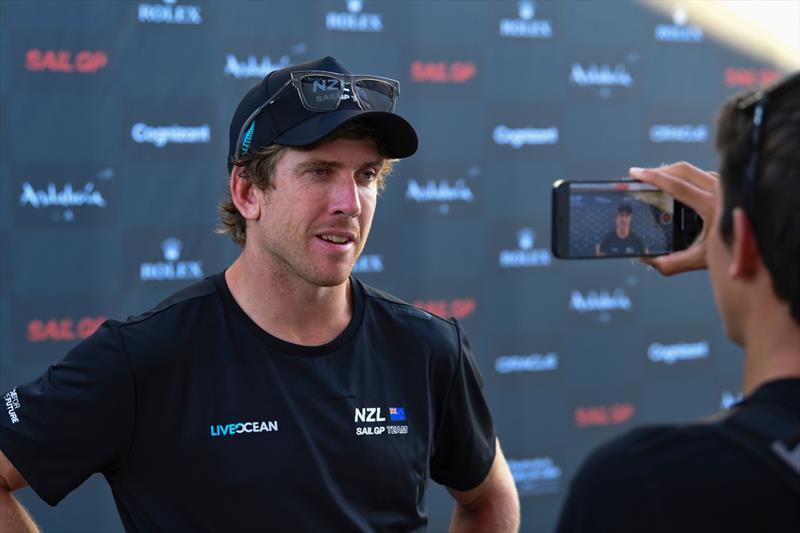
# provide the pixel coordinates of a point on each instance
(623, 233)
(286, 306)
(771, 343)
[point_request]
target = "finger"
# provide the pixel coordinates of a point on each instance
(674, 263)
(695, 197)
(696, 176)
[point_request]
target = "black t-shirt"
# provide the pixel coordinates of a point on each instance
(200, 420)
(633, 244)
(683, 478)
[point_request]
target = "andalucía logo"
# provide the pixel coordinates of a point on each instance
(354, 19)
(526, 26)
(75, 196)
(169, 12)
(171, 268)
(253, 67)
(604, 77)
(442, 193)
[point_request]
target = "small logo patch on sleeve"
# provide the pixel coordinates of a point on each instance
(12, 404)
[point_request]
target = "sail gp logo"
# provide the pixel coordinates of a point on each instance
(376, 415)
(12, 404)
(237, 428)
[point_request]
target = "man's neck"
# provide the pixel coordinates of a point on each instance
(284, 305)
(623, 234)
(771, 343)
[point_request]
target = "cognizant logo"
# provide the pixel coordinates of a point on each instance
(237, 428)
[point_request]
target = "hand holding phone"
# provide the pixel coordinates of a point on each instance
(698, 190)
(618, 218)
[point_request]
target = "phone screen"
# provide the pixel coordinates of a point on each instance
(617, 219)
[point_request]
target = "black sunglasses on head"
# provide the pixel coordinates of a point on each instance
(759, 101)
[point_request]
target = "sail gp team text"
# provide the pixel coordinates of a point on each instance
(380, 430)
(373, 414)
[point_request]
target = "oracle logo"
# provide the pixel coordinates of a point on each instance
(63, 329)
(750, 77)
(604, 415)
(442, 71)
(458, 308)
(84, 62)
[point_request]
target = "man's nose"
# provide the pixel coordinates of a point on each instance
(344, 196)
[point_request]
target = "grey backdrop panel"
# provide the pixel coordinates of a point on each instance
(98, 219)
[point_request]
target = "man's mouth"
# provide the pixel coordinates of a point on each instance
(335, 239)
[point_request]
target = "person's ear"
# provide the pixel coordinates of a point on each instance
(244, 195)
(745, 256)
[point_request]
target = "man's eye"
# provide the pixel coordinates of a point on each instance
(320, 171)
(369, 175)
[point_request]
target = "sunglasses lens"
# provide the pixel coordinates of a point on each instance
(375, 95)
(320, 92)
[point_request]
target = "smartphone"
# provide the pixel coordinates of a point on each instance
(622, 218)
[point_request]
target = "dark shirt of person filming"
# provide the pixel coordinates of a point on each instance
(738, 470)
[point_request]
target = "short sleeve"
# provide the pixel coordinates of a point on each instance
(464, 447)
(74, 420)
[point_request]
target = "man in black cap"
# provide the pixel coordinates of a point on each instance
(282, 394)
(622, 241)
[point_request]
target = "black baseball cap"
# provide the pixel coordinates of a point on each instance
(624, 207)
(287, 122)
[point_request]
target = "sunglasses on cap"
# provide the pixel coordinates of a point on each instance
(324, 91)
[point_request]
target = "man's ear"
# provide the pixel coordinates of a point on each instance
(745, 256)
(244, 195)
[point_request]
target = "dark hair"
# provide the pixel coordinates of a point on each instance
(624, 207)
(776, 213)
(258, 167)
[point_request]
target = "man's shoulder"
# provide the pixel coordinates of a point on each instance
(191, 313)
(397, 315)
(670, 454)
(178, 302)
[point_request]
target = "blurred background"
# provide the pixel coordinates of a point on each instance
(102, 215)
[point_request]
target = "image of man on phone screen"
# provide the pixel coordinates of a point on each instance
(622, 241)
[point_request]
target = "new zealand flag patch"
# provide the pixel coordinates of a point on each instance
(397, 414)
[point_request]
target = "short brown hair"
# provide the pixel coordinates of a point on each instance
(776, 216)
(258, 167)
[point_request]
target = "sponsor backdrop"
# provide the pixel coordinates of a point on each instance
(113, 135)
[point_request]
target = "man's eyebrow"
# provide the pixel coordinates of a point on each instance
(317, 163)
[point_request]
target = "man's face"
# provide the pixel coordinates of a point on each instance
(718, 256)
(316, 219)
(623, 223)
